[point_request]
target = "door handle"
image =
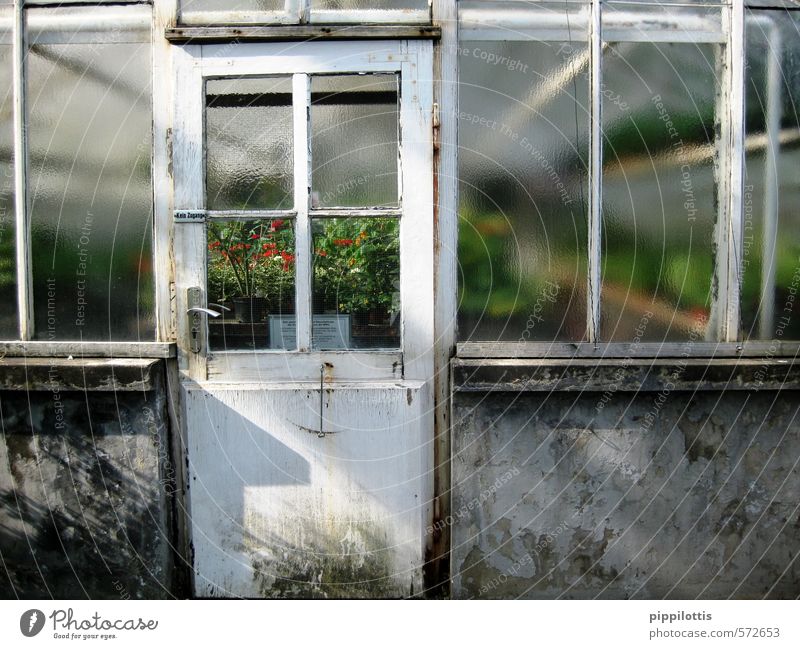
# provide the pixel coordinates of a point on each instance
(195, 311)
(201, 309)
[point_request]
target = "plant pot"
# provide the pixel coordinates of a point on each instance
(284, 304)
(250, 309)
(324, 303)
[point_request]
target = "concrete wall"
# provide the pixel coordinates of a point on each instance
(85, 488)
(556, 493)
(691, 495)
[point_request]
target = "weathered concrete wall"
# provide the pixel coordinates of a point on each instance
(85, 487)
(555, 497)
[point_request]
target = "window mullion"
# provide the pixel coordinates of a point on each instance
(302, 181)
(23, 237)
(735, 80)
(297, 9)
(595, 173)
(729, 177)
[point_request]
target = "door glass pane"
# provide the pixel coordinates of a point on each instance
(249, 136)
(89, 118)
(251, 279)
(8, 264)
(658, 191)
(771, 213)
(354, 140)
(356, 294)
(523, 128)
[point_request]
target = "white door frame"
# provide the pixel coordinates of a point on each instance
(192, 65)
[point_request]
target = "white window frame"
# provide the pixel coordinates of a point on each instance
(412, 60)
(588, 22)
(110, 23)
(300, 12)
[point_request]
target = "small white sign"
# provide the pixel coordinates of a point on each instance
(331, 331)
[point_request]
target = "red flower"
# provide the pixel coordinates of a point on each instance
(343, 242)
(287, 260)
(255, 235)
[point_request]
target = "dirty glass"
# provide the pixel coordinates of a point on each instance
(771, 211)
(523, 132)
(251, 280)
(249, 135)
(355, 5)
(356, 283)
(8, 266)
(354, 140)
(188, 7)
(658, 191)
(89, 120)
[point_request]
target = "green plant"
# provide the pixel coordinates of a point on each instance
(248, 259)
(356, 263)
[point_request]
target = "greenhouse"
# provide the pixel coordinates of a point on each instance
(400, 298)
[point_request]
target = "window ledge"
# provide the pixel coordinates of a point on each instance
(623, 374)
(647, 350)
(83, 374)
(78, 349)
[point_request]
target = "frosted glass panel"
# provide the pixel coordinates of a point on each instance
(249, 135)
(354, 131)
(189, 6)
(89, 136)
(523, 150)
(658, 191)
(8, 279)
(771, 237)
(356, 292)
(350, 5)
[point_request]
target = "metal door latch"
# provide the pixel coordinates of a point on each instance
(194, 298)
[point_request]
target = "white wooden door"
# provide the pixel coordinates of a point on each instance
(303, 191)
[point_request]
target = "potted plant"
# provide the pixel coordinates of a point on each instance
(251, 265)
(356, 271)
